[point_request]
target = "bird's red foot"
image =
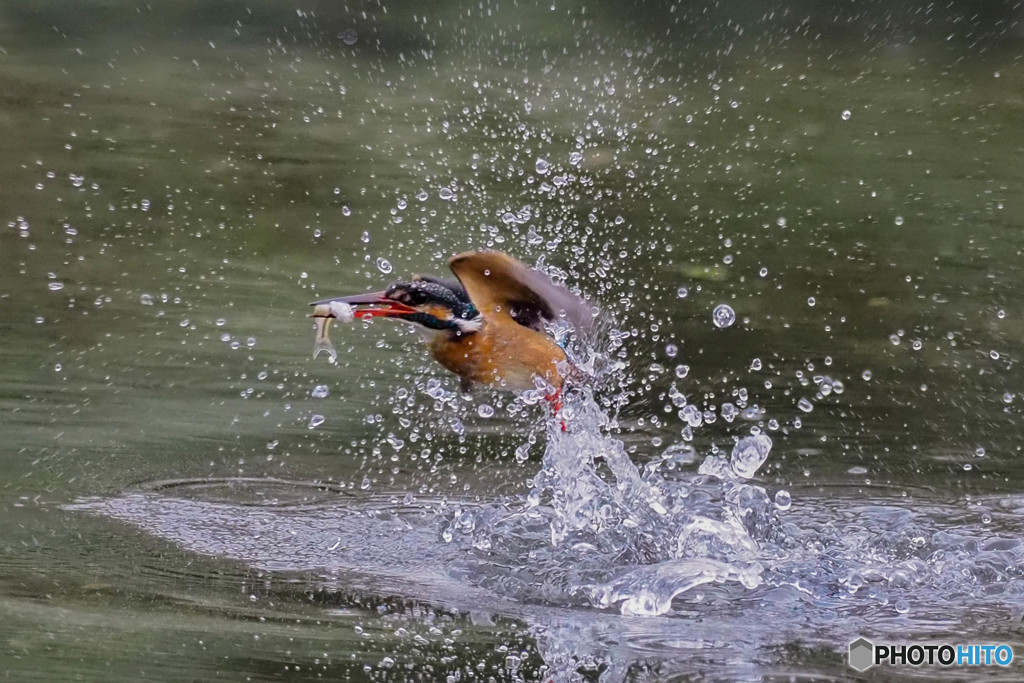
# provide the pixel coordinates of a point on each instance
(555, 399)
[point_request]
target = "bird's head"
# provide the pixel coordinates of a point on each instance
(431, 304)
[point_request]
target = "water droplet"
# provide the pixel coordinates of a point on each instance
(692, 415)
(349, 36)
(899, 220)
(1007, 397)
(846, 115)
(752, 413)
(763, 272)
(671, 350)
(979, 452)
(986, 518)
(146, 299)
(894, 339)
(723, 316)
(320, 391)
(783, 500)
(485, 410)
(866, 375)
(749, 454)
(384, 266)
(315, 421)
(805, 405)
(993, 354)
(755, 364)
(901, 606)
(811, 301)
(682, 292)
(55, 286)
(542, 166)
(682, 371)
(446, 194)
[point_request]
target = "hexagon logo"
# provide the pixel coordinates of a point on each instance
(862, 654)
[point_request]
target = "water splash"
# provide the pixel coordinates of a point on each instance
(608, 534)
(598, 531)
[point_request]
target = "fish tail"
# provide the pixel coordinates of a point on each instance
(324, 344)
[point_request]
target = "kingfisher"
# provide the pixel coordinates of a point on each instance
(491, 327)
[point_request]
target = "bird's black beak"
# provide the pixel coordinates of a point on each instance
(369, 305)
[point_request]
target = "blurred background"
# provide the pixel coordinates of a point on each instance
(178, 181)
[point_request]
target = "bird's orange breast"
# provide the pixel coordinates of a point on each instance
(502, 353)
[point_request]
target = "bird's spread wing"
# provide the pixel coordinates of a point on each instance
(496, 282)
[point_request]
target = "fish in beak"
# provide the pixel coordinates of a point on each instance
(348, 308)
(369, 305)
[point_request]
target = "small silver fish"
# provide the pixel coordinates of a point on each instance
(324, 314)
(323, 342)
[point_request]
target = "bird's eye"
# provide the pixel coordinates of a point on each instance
(417, 298)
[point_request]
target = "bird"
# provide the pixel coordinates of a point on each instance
(490, 327)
